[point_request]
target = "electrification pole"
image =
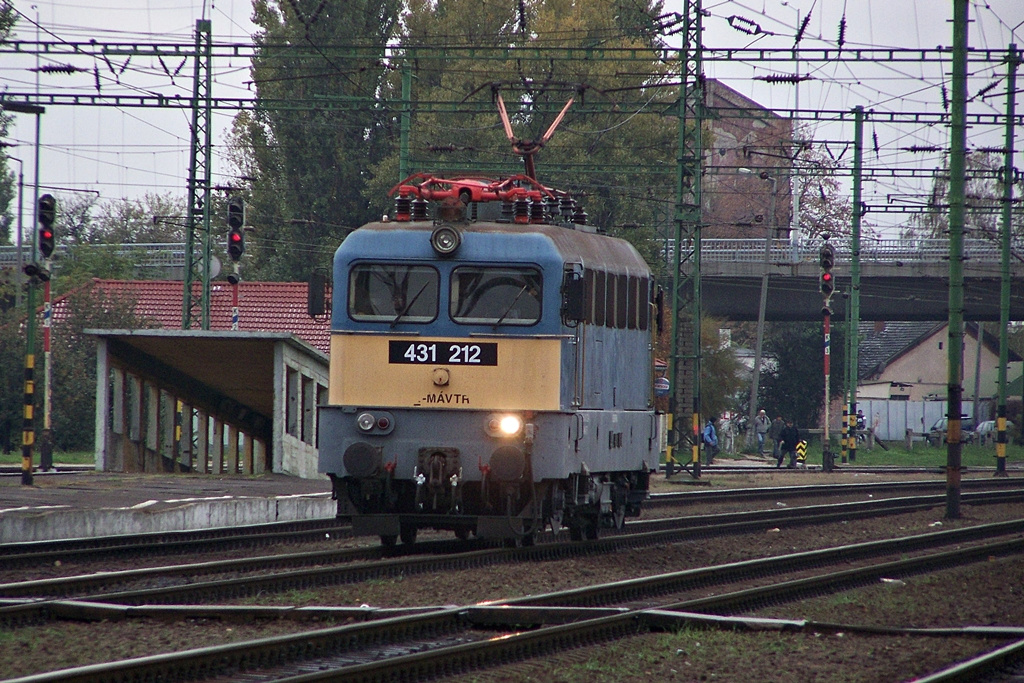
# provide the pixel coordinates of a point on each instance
(957, 167)
(1012, 60)
(684, 401)
(196, 305)
(852, 330)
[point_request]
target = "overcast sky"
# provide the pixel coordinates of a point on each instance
(129, 152)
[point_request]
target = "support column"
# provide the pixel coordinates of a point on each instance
(957, 168)
(1012, 60)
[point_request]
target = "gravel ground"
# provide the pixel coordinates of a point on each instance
(983, 594)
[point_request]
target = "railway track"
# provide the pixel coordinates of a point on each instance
(30, 601)
(38, 553)
(452, 640)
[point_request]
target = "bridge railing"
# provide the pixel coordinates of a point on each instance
(156, 255)
(782, 251)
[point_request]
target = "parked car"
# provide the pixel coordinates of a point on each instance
(936, 436)
(986, 431)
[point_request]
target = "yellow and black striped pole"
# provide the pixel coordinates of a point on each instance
(845, 430)
(28, 434)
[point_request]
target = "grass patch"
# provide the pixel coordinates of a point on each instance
(60, 457)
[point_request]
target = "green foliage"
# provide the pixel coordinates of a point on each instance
(74, 361)
(8, 180)
(81, 263)
(722, 374)
(795, 385)
(307, 169)
(74, 367)
(84, 219)
(614, 147)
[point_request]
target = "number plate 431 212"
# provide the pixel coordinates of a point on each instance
(442, 353)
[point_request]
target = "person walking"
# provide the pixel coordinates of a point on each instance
(774, 432)
(790, 437)
(761, 425)
(710, 438)
(727, 430)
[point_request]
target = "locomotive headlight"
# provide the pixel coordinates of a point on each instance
(504, 425)
(510, 425)
(366, 421)
(445, 240)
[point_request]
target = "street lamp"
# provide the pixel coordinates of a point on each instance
(755, 380)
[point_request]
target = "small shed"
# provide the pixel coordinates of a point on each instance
(207, 401)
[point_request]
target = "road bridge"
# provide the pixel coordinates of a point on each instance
(901, 279)
(906, 279)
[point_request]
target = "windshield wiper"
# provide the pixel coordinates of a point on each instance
(409, 305)
(511, 306)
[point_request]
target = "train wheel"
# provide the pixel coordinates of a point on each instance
(462, 533)
(591, 531)
(529, 539)
(575, 532)
(388, 540)
(408, 534)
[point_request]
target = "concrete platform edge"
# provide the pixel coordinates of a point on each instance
(39, 524)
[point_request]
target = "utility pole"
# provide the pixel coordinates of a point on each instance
(196, 306)
(827, 285)
(684, 401)
(957, 167)
(1012, 60)
(852, 330)
(762, 305)
(28, 433)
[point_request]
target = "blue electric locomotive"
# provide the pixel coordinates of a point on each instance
(492, 376)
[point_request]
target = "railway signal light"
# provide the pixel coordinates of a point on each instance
(827, 258)
(47, 217)
(236, 228)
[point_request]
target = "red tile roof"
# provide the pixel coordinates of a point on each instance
(262, 307)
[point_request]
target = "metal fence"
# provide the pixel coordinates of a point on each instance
(781, 251)
(894, 251)
(896, 417)
(157, 255)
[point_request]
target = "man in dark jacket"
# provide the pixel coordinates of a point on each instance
(789, 438)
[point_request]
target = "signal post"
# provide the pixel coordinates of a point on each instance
(236, 247)
(827, 259)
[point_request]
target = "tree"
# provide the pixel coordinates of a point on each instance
(8, 180)
(984, 201)
(794, 387)
(86, 226)
(722, 375)
(74, 366)
(615, 146)
(74, 361)
(306, 170)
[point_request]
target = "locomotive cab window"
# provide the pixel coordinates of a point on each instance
(392, 293)
(495, 295)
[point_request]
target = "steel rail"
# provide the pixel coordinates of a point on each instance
(513, 642)
(777, 492)
(168, 542)
(551, 639)
(986, 666)
(24, 611)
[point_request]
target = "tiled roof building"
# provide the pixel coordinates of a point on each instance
(263, 307)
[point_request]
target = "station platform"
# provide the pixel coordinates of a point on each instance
(72, 503)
